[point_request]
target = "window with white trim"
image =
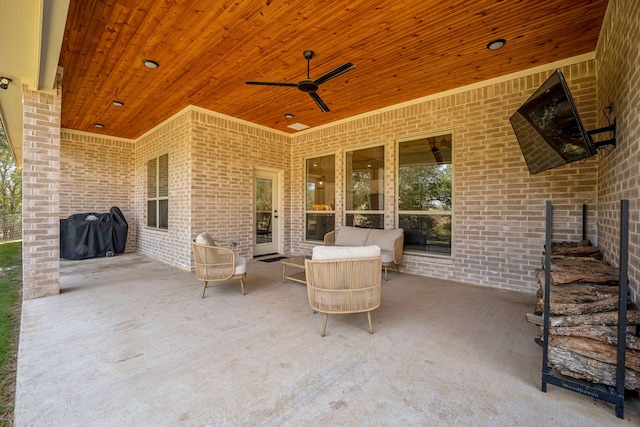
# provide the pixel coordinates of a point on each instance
(158, 192)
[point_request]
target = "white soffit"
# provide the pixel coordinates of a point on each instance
(31, 32)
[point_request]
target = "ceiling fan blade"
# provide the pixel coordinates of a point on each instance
(437, 154)
(335, 73)
(272, 84)
(319, 101)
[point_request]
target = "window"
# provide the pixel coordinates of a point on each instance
(364, 188)
(320, 195)
(158, 192)
(425, 194)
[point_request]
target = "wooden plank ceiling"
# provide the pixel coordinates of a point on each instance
(207, 49)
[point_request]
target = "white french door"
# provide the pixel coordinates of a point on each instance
(266, 212)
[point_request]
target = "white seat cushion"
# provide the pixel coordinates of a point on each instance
(241, 265)
(205, 238)
(344, 252)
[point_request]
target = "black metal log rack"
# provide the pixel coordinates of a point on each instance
(616, 397)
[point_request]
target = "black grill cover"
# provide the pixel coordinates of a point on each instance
(120, 229)
(81, 238)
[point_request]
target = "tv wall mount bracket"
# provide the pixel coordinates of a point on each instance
(611, 128)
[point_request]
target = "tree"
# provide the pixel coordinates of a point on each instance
(10, 191)
(425, 187)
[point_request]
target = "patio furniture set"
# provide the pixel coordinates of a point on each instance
(342, 277)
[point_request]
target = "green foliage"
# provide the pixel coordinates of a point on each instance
(10, 254)
(10, 302)
(424, 187)
(361, 186)
(10, 180)
(264, 194)
(10, 189)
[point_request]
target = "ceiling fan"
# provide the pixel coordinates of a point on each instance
(311, 86)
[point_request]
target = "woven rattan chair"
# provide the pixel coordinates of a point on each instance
(218, 263)
(344, 286)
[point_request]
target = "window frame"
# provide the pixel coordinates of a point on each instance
(449, 213)
(158, 199)
(347, 188)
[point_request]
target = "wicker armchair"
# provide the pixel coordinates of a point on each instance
(342, 286)
(218, 263)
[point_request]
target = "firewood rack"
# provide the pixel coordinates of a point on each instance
(616, 396)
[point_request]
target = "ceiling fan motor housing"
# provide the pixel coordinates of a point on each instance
(307, 86)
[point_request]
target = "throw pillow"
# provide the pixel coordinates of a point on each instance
(205, 238)
(384, 238)
(351, 236)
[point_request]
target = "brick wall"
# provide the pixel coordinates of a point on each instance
(211, 163)
(224, 155)
(618, 59)
(40, 193)
(498, 222)
(97, 173)
(172, 245)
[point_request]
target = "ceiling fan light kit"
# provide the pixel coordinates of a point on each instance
(311, 86)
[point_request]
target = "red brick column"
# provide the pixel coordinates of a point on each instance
(40, 193)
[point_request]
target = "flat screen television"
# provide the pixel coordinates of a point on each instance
(549, 129)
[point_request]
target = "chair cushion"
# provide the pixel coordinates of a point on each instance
(241, 265)
(384, 238)
(344, 252)
(351, 236)
(205, 238)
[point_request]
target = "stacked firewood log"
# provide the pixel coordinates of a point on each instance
(584, 316)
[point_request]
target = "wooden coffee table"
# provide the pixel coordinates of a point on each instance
(296, 262)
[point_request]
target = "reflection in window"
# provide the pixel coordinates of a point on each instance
(319, 224)
(158, 192)
(264, 209)
(425, 194)
(364, 204)
(320, 197)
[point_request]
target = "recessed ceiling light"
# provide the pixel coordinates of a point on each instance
(288, 116)
(117, 103)
(298, 126)
(496, 44)
(99, 125)
(150, 63)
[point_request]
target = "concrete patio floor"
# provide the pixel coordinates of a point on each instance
(129, 342)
